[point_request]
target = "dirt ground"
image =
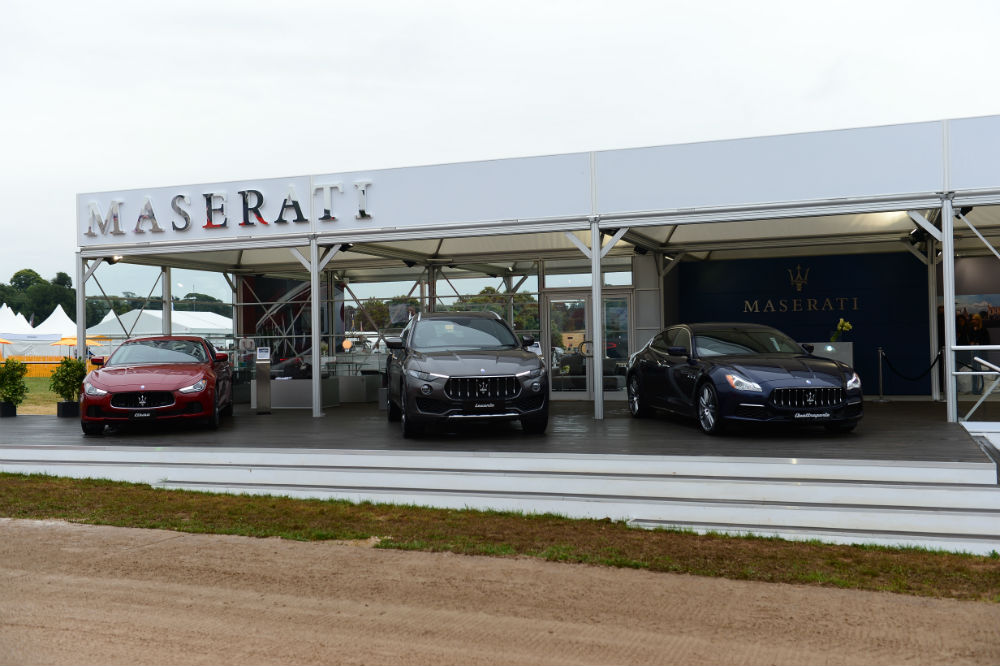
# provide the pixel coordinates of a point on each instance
(75, 594)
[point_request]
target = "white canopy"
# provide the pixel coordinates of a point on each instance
(58, 323)
(14, 326)
(150, 322)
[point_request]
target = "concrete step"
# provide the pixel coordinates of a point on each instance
(796, 469)
(830, 500)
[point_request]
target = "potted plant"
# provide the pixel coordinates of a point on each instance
(12, 386)
(65, 382)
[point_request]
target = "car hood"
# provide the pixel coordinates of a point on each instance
(167, 377)
(765, 368)
(475, 362)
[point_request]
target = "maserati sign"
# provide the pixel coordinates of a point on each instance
(221, 210)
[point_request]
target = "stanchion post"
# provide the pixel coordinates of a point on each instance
(881, 390)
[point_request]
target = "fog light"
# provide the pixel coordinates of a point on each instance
(426, 389)
(536, 387)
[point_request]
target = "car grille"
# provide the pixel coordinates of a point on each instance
(142, 399)
(482, 388)
(806, 398)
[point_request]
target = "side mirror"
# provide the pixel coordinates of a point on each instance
(221, 357)
(677, 351)
(394, 342)
(527, 340)
(808, 347)
(97, 360)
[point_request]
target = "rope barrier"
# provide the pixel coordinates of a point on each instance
(906, 377)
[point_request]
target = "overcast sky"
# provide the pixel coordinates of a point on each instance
(102, 96)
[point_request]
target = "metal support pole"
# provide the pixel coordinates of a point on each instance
(597, 335)
(932, 318)
(432, 275)
(508, 282)
(168, 301)
(81, 307)
(315, 303)
(948, 298)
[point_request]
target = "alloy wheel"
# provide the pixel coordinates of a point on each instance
(708, 409)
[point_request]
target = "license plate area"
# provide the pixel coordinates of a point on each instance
(484, 407)
(806, 417)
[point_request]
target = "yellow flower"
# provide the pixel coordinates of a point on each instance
(842, 327)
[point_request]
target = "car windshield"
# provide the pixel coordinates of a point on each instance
(462, 333)
(742, 341)
(158, 351)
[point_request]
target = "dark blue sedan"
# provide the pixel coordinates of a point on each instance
(721, 373)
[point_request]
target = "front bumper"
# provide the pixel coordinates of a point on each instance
(441, 404)
(181, 406)
(741, 408)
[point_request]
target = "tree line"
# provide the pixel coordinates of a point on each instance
(35, 297)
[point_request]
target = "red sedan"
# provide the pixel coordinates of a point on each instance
(157, 378)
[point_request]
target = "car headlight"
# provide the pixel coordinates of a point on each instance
(537, 372)
(195, 388)
(425, 376)
(90, 389)
(854, 383)
(741, 384)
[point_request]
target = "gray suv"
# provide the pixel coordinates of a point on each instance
(464, 366)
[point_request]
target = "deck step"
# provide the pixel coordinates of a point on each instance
(952, 506)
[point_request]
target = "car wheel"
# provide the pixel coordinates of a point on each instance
(392, 410)
(709, 418)
(409, 427)
(636, 404)
(95, 429)
(216, 417)
(841, 427)
(536, 423)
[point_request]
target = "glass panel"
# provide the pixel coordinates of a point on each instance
(568, 326)
(576, 273)
(617, 278)
(616, 342)
(567, 280)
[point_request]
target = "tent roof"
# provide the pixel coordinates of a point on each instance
(150, 322)
(386, 260)
(834, 192)
(12, 323)
(58, 322)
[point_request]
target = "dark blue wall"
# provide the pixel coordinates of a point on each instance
(884, 296)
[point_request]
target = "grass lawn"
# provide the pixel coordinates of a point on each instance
(39, 399)
(593, 542)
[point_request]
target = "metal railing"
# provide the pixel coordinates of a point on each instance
(993, 372)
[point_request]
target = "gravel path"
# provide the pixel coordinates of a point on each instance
(75, 594)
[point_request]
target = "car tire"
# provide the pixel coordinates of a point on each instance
(216, 418)
(709, 416)
(637, 406)
(408, 426)
(92, 429)
(392, 411)
(841, 427)
(536, 423)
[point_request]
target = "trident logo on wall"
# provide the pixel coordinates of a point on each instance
(798, 280)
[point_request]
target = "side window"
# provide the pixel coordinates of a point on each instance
(681, 338)
(660, 342)
(405, 335)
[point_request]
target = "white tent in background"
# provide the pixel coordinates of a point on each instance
(12, 324)
(25, 340)
(150, 322)
(58, 323)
